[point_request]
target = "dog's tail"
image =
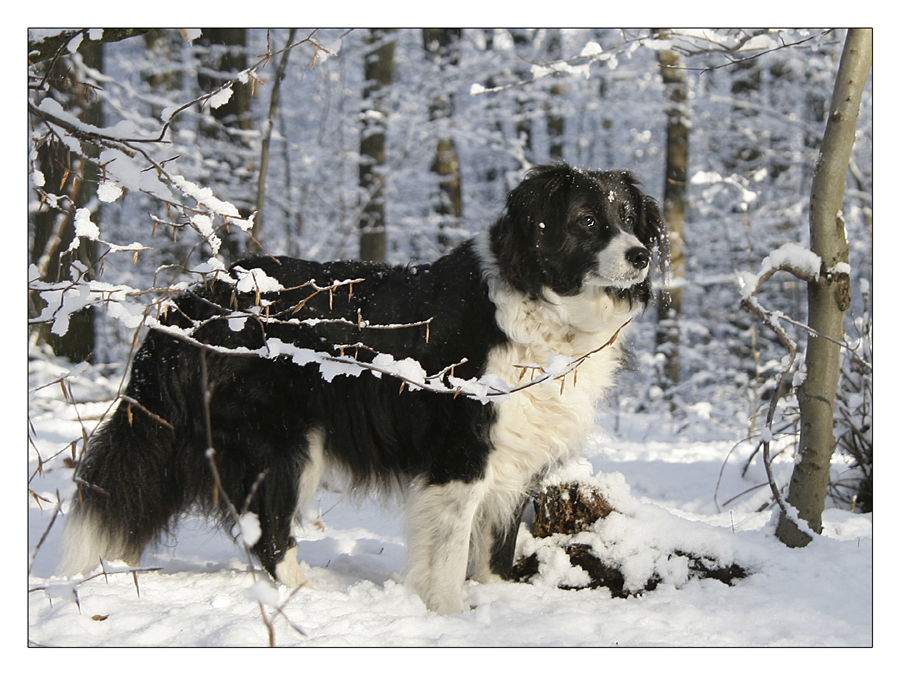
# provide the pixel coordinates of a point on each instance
(130, 484)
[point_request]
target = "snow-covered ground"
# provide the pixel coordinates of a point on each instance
(662, 481)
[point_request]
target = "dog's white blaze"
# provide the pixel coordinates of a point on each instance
(613, 268)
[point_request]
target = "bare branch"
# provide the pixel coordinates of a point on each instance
(34, 552)
(54, 45)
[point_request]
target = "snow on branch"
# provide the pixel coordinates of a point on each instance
(806, 266)
(410, 373)
(125, 157)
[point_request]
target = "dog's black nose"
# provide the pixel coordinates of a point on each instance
(638, 256)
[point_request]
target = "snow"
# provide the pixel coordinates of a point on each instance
(256, 280)
(84, 227)
(220, 98)
(108, 191)
(789, 256)
(73, 299)
(676, 483)
(205, 197)
(204, 225)
(248, 524)
(666, 487)
(795, 256)
(591, 48)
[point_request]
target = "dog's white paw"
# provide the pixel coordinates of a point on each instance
(288, 571)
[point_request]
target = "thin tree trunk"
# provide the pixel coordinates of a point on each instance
(266, 141)
(226, 55)
(219, 67)
(443, 45)
(522, 39)
(674, 207)
(555, 119)
(379, 71)
(829, 297)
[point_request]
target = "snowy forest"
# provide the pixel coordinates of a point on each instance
(159, 157)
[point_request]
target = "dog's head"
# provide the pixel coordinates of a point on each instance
(565, 228)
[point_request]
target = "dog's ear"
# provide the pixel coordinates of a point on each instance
(534, 208)
(650, 227)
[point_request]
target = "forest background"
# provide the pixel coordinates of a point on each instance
(398, 144)
(160, 156)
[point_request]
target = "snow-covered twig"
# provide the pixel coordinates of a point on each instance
(102, 573)
(804, 265)
(787, 368)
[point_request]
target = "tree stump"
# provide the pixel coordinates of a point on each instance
(568, 509)
(571, 508)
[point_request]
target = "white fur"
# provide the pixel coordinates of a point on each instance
(439, 528)
(538, 426)
(85, 543)
(288, 570)
(316, 465)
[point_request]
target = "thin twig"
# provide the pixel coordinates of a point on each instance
(37, 548)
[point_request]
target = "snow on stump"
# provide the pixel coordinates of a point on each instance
(567, 549)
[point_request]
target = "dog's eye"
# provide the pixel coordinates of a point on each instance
(587, 221)
(629, 220)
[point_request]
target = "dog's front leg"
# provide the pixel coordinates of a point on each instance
(439, 527)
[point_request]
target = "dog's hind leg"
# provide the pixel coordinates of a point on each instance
(283, 492)
(274, 504)
(439, 524)
(287, 570)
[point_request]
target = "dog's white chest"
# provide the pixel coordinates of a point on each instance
(540, 424)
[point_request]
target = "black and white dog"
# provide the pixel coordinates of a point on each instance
(562, 270)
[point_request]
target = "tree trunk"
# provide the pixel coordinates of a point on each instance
(379, 71)
(76, 177)
(165, 79)
(674, 207)
(443, 45)
(555, 119)
(522, 40)
(225, 56)
(829, 297)
(563, 511)
(266, 141)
